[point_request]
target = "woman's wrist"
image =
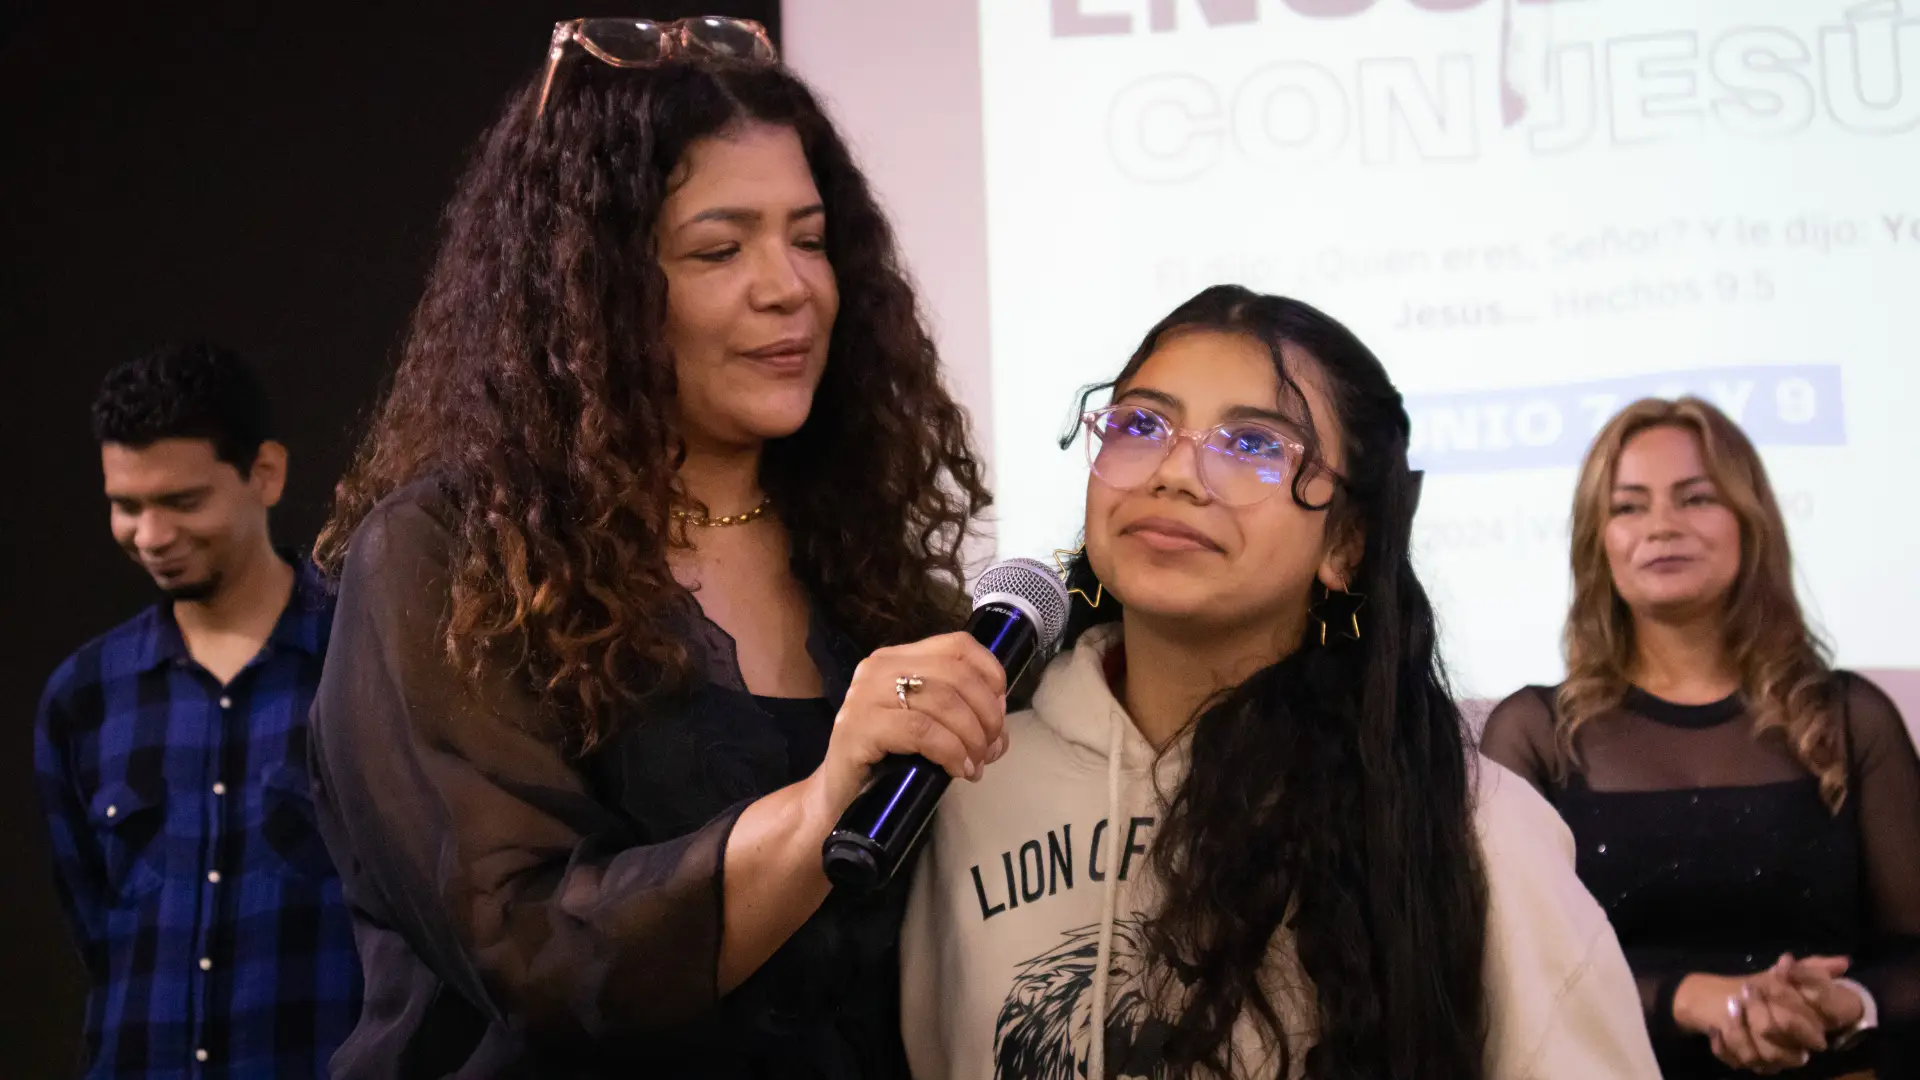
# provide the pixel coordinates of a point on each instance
(815, 804)
(1699, 1001)
(1857, 1011)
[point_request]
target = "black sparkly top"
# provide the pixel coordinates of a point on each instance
(1712, 851)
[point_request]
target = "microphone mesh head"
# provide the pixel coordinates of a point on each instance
(1036, 583)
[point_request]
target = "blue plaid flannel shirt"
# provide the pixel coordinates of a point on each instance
(201, 897)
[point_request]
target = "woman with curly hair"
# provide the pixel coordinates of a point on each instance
(1241, 833)
(666, 455)
(1749, 817)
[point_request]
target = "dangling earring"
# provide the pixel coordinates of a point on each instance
(1341, 609)
(1061, 556)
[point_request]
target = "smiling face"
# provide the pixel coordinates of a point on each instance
(751, 297)
(189, 519)
(1672, 542)
(1169, 546)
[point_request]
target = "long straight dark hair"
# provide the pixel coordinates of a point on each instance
(1330, 792)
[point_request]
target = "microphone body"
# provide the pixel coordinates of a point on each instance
(1019, 605)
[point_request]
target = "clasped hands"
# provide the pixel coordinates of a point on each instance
(1770, 1020)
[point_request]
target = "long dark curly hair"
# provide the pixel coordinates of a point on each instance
(1331, 792)
(536, 388)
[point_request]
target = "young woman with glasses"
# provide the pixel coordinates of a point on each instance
(1240, 832)
(667, 454)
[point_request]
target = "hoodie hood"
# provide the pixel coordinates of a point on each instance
(1076, 704)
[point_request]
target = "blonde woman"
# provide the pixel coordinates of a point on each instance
(1748, 816)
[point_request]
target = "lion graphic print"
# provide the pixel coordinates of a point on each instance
(1043, 1029)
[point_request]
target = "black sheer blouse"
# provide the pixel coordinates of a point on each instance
(521, 913)
(1712, 851)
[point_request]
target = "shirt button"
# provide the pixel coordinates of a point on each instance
(206, 963)
(226, 702)
(213, 876)
(112, 810)
(199, 1055)
(218, 789)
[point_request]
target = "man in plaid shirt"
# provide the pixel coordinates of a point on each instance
(171, 753)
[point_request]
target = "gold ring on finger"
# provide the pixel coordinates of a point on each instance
(903, 685)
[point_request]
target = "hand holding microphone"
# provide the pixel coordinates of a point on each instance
(956, 701)
(942, 698)
(936, 705)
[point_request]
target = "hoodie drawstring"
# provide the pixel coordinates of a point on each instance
(1109, 899)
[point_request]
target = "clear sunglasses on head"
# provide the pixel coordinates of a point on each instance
(625, 43)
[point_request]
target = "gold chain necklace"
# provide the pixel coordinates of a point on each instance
(704, 522)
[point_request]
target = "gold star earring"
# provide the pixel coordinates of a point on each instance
(1349, 604)
(1061, 556)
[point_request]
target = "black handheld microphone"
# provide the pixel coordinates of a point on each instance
(1019, 605)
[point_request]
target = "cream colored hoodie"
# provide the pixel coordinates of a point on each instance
(1021, 938)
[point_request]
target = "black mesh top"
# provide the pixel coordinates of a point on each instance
(1712, 851)
(522, 913)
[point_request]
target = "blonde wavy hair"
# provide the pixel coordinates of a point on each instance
(1785, 680)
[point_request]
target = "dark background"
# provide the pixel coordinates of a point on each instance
(269, 176)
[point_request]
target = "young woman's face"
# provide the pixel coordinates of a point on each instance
(1210, 536)
(751, 297)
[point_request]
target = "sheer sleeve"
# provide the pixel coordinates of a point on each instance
(1519, 734)
(478, 843)
(1886, 778)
